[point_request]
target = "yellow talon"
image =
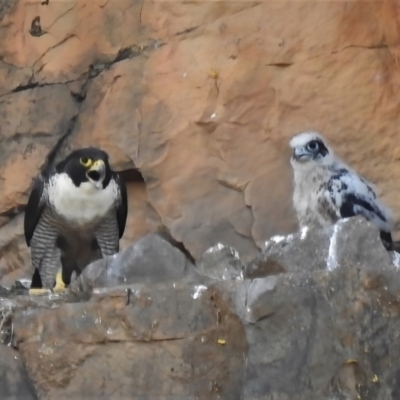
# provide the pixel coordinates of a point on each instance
(60, 285)
(38, 292)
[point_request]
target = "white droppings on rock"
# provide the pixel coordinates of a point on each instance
(110, 331)
(213, 115)
(217, 247)
(331, 261)
(277, 239)
(303, 232)
(198, 289)
(240, 277)
(234, 252)
(396, 259)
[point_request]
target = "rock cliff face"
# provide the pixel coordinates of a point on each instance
(202, 98)
(195, 103)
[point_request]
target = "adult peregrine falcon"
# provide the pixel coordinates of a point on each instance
(326, 189)
(75, 214)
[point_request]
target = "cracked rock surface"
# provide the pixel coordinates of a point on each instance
(314, 330)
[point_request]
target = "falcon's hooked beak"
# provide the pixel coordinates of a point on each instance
(97, 173)
(301, 154)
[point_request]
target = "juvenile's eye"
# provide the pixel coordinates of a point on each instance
(313, 145)
(85, 161)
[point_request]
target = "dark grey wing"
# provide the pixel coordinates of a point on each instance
(122, 205)
(34, 208)
(351, 196)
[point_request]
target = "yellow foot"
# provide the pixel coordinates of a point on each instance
(40, 291)
(60, 285)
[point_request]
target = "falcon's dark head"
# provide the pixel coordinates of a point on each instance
(309, 146)
(87, 165)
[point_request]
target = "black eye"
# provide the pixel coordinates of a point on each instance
(313, 145)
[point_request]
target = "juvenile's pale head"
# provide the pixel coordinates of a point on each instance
(309, 148)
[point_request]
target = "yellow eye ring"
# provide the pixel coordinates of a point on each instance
(85, 161)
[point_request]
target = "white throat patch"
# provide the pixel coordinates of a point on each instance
(83, 204)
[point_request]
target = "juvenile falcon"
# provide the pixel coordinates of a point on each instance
(75, 214)
(326, 189)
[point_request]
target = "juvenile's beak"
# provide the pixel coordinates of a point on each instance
(301, 154)
(97, 171)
